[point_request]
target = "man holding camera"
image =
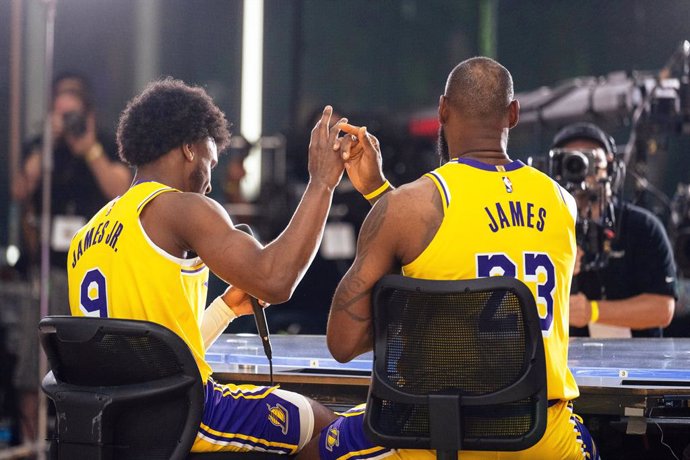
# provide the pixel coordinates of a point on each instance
(625, 273)
(85, 176)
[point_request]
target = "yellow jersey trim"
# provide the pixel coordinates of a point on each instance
(153, 195)
(362, 452)
(442, 187)
(239, 393)
(351, 413)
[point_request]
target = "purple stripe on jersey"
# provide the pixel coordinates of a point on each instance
(560, 190)
(512, 166)
(150, 197)
(588, 446)
(443, 187)
(195, 270)
(137, 182)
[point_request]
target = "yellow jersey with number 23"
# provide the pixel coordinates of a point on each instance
(509, 220)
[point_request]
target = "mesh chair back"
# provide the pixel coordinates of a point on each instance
(469, 350)
(122, 389)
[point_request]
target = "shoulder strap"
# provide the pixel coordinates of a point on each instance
(153, 193)
(442, 187)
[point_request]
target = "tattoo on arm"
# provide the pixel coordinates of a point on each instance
(436, 199)
(352, 288)
(370, 229)
(345, 305)
(350, 292)
(432, 224)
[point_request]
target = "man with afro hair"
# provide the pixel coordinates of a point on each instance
(147, 254)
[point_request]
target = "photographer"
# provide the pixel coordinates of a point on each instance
(625, 273)
(85, 177)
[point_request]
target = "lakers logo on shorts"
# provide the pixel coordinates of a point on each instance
(278, 416)
(332, 438)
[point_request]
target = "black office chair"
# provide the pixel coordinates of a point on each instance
(458, 365)
(123, 389)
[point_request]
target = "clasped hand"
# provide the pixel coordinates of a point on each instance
(239, 301)
(358, 152)
(361, 153)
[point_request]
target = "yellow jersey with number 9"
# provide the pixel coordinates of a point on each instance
(115, 271)
(509, 220)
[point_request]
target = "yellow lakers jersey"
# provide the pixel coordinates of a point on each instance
(115, 271)
(509, 220)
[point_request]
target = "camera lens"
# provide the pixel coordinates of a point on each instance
(74, 123)
(575, 166)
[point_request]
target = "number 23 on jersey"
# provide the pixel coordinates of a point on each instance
(535, 269)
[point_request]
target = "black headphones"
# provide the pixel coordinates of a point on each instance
(590, 131)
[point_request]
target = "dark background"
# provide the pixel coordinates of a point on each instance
(377, 62)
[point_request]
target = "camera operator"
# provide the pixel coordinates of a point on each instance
(82, 164)
(625, 273)
(85, 176)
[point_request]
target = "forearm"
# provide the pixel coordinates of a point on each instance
(216, 318)
(639, 312)
(21, 189)
(286, 259)
(349, 332)
(26, 181)
(349, 335)
(113, 178)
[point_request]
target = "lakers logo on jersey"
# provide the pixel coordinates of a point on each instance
(508, 184)
(278, 416)
(332, 438)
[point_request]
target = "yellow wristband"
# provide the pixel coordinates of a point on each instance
(594, 316)
(378, 191)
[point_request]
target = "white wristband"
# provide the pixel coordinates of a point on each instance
(216, 318)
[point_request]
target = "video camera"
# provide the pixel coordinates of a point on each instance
(664, 108)
(595, 237)
(680, 228)
(570, 168)
(576, 171)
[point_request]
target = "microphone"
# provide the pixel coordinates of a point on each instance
(259, 313)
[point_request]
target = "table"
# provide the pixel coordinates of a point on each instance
(628, 387)
(640, 379)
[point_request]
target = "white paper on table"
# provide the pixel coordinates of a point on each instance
(607, 331)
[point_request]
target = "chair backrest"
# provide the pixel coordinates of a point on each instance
(457, 365)
(122, 389)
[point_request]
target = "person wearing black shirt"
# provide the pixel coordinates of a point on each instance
(85, 176)
(86, 173)
(631, 282)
